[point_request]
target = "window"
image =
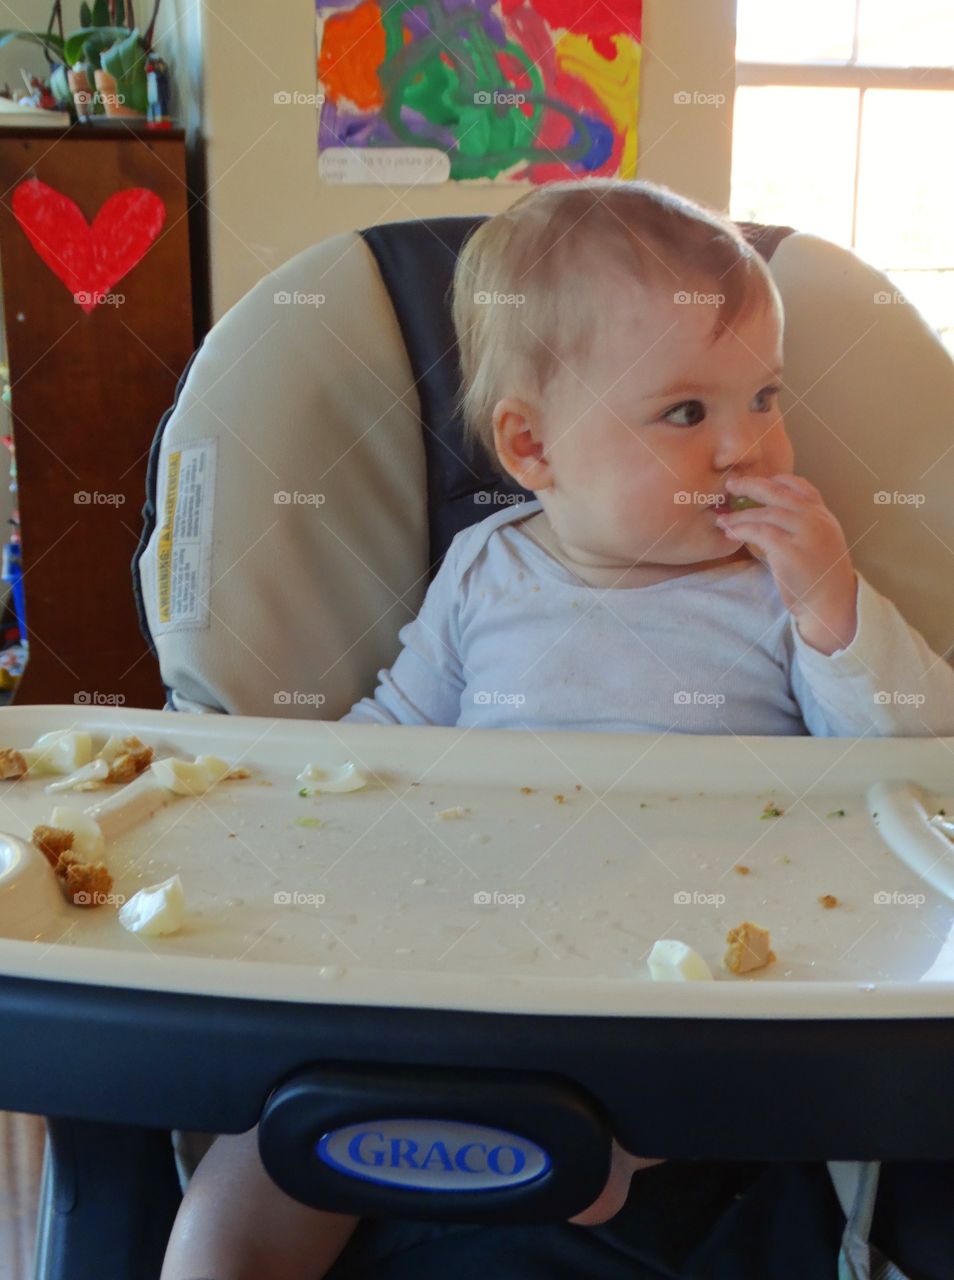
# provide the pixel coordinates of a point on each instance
(844, 111)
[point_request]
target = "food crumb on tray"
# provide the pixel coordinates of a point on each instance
(749, 948)
(674, 961)
(741, 870)
(86, 883)
(12, 764)
(455, 811)
(828, 900)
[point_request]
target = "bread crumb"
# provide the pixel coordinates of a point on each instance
(86, 882)
(130, 761)
(52, 842)
(828, 900)
(91, 880)
(749, 948)
(740, 869)
(559, 798)
(455, 811)
(527, 791)
(12, 764)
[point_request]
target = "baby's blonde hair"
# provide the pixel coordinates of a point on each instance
(526, 293)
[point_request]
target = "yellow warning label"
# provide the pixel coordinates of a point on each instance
(165, 539)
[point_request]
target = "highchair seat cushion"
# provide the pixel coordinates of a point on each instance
(297, 450)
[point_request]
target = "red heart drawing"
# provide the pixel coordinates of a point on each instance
(88, 259)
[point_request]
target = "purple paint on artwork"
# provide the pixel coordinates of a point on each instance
(352, 131)
(415, 20)
(426, 130)
(489, 20)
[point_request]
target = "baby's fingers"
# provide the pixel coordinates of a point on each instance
(746, 524)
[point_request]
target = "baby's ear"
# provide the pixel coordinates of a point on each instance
(518, 441)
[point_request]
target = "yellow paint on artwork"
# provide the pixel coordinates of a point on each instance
(615, 82)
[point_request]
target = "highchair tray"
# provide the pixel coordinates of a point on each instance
(488, 900)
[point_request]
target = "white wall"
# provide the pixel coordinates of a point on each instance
(266, 202)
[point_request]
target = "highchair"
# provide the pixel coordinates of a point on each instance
(315, 426)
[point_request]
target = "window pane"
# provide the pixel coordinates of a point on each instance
(793, 158)
(918, 33)
(932, 292)
(906, 181)
(779, 31)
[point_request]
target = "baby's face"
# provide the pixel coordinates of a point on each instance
(641, 439)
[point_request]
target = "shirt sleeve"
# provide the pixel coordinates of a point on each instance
(425, 683)
(887, 683)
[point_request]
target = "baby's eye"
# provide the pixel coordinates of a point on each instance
(695, 408)
(768, 395)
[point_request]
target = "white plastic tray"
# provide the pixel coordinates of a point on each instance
(378, 905)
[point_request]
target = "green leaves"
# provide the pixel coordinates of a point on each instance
(126, 63)
(94, 39)
(52, 43)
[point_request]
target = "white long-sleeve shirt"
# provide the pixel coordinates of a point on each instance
(507, 637)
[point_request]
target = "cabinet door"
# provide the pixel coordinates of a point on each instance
(89, 387)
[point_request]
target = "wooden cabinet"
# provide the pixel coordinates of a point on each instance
(89, 387)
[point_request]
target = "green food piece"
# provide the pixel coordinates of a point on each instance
(770, 811)
(307, 822)
(836, 813)
(743, 504)
(304, 791)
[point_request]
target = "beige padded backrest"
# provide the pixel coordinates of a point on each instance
(302, 397)
(306, 601)
(870, 409)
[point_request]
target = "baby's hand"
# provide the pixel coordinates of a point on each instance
(804, 546)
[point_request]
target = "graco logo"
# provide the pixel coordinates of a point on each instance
(437, 1155)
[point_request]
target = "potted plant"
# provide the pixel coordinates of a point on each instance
(107, 48)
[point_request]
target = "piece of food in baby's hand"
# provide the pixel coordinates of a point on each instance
(674, 961)
(738, 503)
(155, 910)
(749, 948)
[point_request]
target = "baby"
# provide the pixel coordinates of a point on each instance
(621, 352)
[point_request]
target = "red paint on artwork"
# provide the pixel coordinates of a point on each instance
(599, 21)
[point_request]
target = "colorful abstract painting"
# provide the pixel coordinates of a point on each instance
(478, 90)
